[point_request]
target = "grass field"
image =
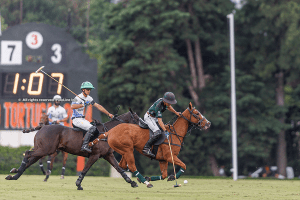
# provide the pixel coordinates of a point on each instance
(33, 187)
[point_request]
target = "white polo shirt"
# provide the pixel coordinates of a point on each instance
(79, 111)
(58, 113)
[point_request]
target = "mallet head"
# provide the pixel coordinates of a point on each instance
(37, 71)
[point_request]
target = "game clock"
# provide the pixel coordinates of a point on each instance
(37, 85)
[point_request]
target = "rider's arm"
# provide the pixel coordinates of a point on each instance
(76, 106)
(49, 115)
(170, 108)
(160, 122)
(63, 120)
(65, 116)
(102, 109)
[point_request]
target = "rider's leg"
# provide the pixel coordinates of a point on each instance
(151, 141)
(85, 125)
(151, 121)
(88, 135)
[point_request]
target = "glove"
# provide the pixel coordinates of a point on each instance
(86, 103)
(167, 134)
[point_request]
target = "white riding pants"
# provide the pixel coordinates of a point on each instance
(82, 123)
(151, 121)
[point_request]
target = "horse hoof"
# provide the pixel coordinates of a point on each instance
(62, 177)
(14, 170)
(134, 184)
(171, 178)
(146, 177)
(79, 187)
(149, 185)
(9, 177)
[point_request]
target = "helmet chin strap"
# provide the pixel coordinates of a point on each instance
(83, 91)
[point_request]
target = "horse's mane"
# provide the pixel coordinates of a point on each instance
(97, 122)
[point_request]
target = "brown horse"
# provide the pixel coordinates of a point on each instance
(124, 138)
(45, 121)
(53, 137)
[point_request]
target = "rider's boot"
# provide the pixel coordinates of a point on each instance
(88, 135)
(148, 145)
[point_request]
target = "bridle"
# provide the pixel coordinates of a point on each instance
(191, 126)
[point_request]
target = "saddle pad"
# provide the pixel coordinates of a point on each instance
(96, 133)
(142, 124)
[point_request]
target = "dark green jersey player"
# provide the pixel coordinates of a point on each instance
(154, 116)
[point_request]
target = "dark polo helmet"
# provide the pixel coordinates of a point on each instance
(169, 97)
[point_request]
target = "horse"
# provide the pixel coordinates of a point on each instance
(53, 137)
(124, 138)
(45, 121)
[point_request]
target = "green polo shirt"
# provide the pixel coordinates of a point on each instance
(157, 108)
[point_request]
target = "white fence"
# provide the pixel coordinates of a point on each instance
(16, 138)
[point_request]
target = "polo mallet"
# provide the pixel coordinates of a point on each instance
(40, 70)
(173, 165)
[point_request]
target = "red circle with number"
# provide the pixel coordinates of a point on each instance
(34, 40)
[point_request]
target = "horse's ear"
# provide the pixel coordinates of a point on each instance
(130, 110)
(190, 105)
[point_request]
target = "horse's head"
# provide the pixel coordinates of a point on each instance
(129, 117)
(44, 119)
(195, 118)
(134, 118)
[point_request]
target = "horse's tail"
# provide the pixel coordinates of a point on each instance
(100, 137)
(32, 129)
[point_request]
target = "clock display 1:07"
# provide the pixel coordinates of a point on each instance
(31, 85)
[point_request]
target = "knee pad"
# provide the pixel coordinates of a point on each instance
(92, 129)
(157, 133)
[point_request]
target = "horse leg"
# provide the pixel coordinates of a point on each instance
(42, 166)
(65, 157)
(92, 159)
(27, 161)
(178, 162)
(50, 165)
(129, 157)
(123, 163)
(164, 172)
(112, 160)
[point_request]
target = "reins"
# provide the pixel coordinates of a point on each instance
(106, 129)
(191, 126)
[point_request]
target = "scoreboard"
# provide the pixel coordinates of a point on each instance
(24, 94)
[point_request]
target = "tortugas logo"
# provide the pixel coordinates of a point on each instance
(21, 115)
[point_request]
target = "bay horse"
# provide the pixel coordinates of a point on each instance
(124, 138)
(45, 121)
(53, 137)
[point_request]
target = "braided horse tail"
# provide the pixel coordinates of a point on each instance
(43, 121)
(100, 137)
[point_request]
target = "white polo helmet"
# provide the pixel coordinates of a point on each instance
(57, 98)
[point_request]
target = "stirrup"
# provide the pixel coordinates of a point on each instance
(148, 153)
(86, 148)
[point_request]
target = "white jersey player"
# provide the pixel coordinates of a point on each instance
(79, 103)
(56, 113)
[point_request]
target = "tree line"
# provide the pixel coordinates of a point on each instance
(145, 48)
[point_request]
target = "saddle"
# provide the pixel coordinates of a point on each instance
(159, 141)
(96, 133)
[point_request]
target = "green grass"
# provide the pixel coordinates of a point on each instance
(33, 187)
